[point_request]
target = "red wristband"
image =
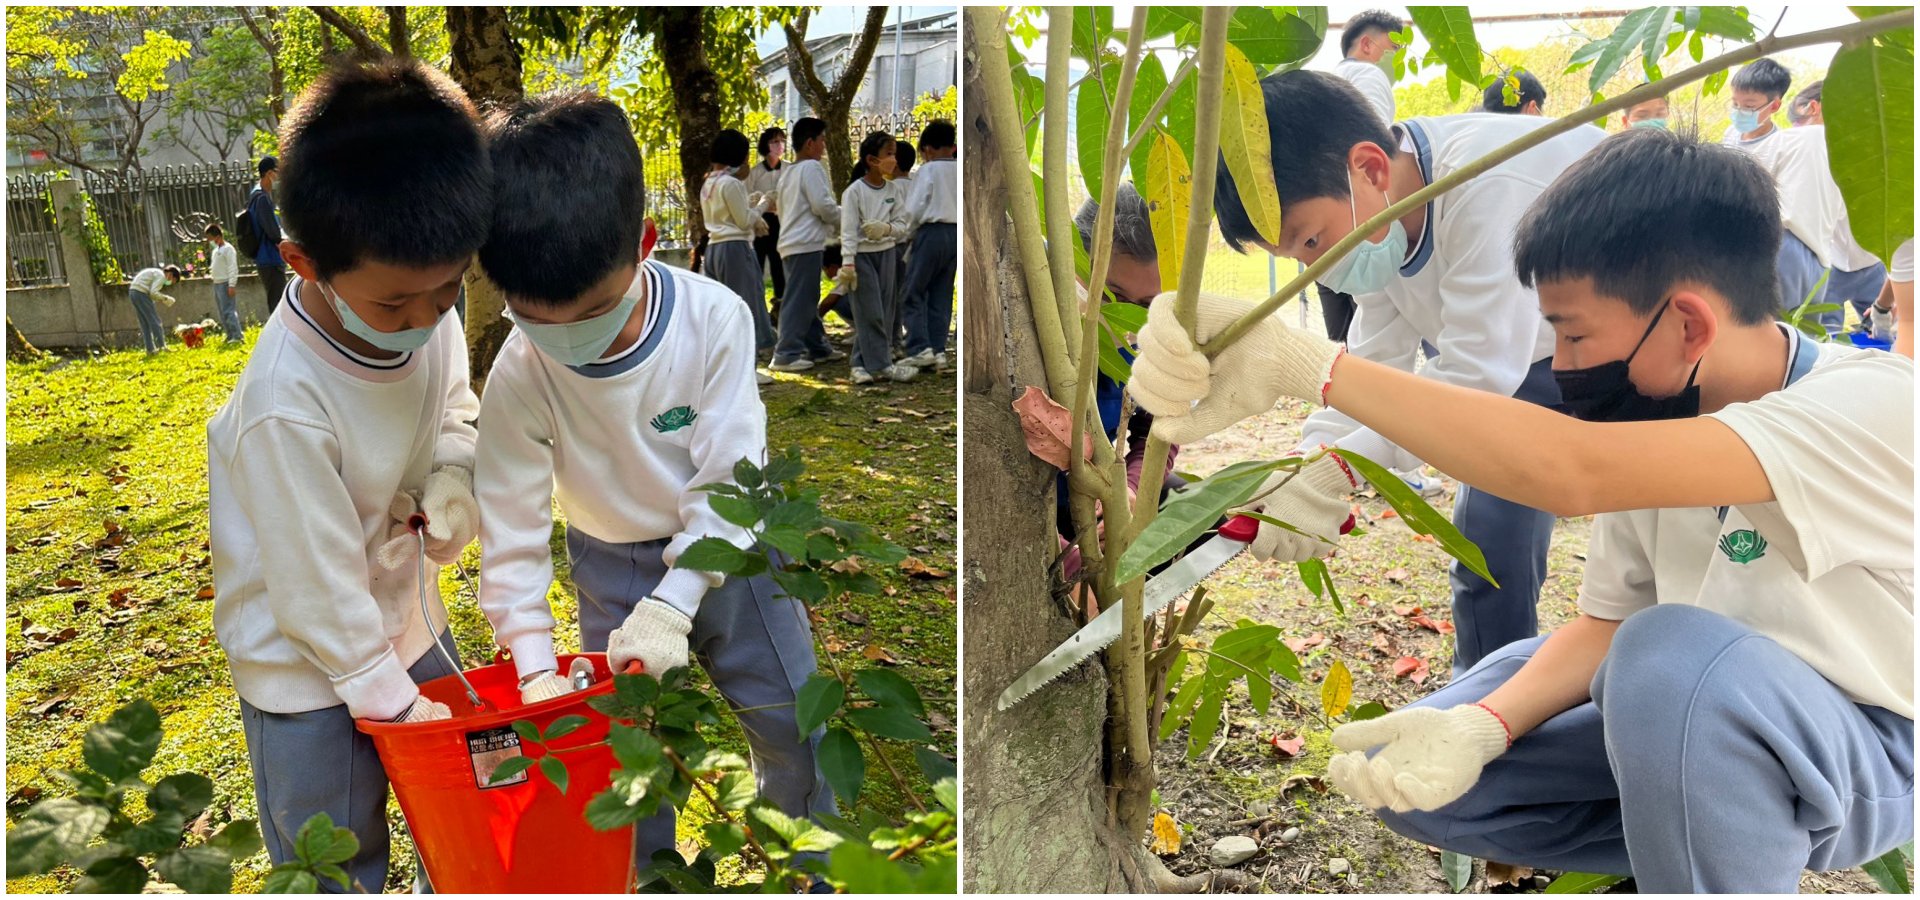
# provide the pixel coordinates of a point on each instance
(1501, 719)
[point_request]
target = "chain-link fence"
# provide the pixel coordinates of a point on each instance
(33, 241)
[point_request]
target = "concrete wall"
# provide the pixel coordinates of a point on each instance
(54, 317)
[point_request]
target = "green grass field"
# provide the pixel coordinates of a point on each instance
(108, 571)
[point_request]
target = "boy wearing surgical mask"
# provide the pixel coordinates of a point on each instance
(1441, 274)
(625, 389)
(1758, 89)
(1734, 703)
(354, 407)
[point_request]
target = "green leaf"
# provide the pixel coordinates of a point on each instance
(742, 512)
(1283, 662)
(746, 473)
(736, 790)
(335, 874)
(1271, 37)
(115, 875)
(1728, 22)
(183, 795)
(1654, 44)
(319, 841)
(197, 870)
(1336, 692)
(527, 731)
(1890, 872)
(798, 514)
(712, 554)
(1576, 882)
(934, 765)
(1174, 20)
(1181, 707)
(1125, 318)
(1091, 27)
(1090, 124)
(556, 772)
(1868, 104)
(1168, 191)
(890, 723)
(1629, 35)
(724, 838)
(564, 726)
(844, 766)
(818, 699)
(1449, 29)
(287, 878)
(238, 839)
(1112, 364)
(1206, 717)
(890, 690)
(1149, 82)
(786, 467)
(123, 746)
(1419, 515)
(509, 768)
(1247, 147)
(51, 833)
(1372, 709)
(1458, 869)
(1189, 513)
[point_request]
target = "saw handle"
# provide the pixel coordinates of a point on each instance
(1240, 528)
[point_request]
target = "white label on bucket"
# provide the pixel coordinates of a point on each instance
(488, 749)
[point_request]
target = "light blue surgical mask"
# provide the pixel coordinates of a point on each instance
(391, 341)
(1746, 121)
(1368, 268)
(582, 342)
(1651, 123)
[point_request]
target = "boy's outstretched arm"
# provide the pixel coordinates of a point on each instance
(1511, 448)
(513, 481)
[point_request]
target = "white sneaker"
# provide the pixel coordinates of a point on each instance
(760, 377)
(798, 365)
(899, 372)
(862, 376)
(939, 360)
(832, 356)
(920, 360)
(1423, 485)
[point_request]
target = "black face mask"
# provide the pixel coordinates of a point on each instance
(1605, 393)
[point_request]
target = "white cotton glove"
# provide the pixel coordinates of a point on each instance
(1314, 501)
(755, 198)
(165, 300)
(1880, 324)
(846, 281)
(401, 546)
(544, 686)
(453, 516)
(655, 634)
(424, 710)
(1270, 362)
(760, 228)
(1428, 757)
(876, 231)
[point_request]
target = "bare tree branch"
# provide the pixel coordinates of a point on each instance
(856, 70)
(361, 40)
(397, 37)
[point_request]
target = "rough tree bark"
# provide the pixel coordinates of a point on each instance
(19, 349)
(486, 63)
(361, 40)
(398, 40)
(696, 98)
(269, 41)
(1037, 818)
(834, 105)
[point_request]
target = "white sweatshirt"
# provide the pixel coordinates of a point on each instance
(152, 282)
(1810, 204)
(863, 203)
(621, 444)
(226, 265)
(762, 180)
(304, 460)
(723, 203)
(1373, 83)
(1457, 290)
(808, 213)
(935, 196)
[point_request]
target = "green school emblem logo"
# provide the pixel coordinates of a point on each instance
(1743, 546)
(674, 419)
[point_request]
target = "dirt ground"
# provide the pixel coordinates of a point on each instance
(1243, 785)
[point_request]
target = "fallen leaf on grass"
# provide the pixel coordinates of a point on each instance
(26, 794)
(1431, 625)
(879, 654)
(917, 569)
(1425, 538)
(1400, 610)
(1399, 576)
(849, 566)
(1499, 873)
(906, 412)
(853, 618)
(51, 703)
(886, 420)
(67, 584)
(1302, 645)
(1318, 785)
(1382, 644)
(1166, 835)
(1390, 513)
(1288, 744)
(1411, 668)
(205, 593)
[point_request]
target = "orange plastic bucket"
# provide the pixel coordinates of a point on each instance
(523, 836)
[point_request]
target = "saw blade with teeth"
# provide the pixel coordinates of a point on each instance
(1096, 635)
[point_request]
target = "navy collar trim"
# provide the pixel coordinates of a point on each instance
(1423, 151)
(660, 292)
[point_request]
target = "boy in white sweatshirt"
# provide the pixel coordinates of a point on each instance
(354, 406)
(226, 283)
(933, 212)
(872, 221)
(809, 217)
(625, 385)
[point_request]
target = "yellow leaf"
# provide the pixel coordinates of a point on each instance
(1166, 835)
(1245, 143)
(1336, 693)
(1169, 190)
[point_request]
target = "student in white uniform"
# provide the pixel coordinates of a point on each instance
(1734, 703)
(933, 212)
(1759, 88)
(763, 190)
(1365, 45)
(872, 220)
(733, 221)
(1529, 100)
(1442, 274)
(1854, 276)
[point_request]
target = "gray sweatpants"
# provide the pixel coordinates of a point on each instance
(314, 762)
(1799, 270)
(872, 301)
(733, 264)
(929, 287)
(1710, 759)
(801, 332)
(755, 645)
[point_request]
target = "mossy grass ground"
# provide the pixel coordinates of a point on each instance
(107, 493)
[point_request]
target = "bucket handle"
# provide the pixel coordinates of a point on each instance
(417, 524)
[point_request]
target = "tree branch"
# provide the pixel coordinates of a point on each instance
(856, 68)
(811, 87)
(354, 33)
(1061, 234)
(397, 37)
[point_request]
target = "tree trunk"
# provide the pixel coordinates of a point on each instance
(834, 105)
(486, 63)
(1037, 817)
(696, 100)
(397, 38)
(19, 349)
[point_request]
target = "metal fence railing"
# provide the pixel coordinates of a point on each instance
(33, 241)
(156, 216)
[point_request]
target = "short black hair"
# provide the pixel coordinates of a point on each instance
(902, 158)
(1763, 76)
(767, 138)
(1797, 110)
(1308, 162)
(213, 230)
(571, 197)
(806, 129)
(729, 149)
(1371, 20)
(172, 271)
(1647, 209)
(268, 164)
(1495, 98)
(1132, 224)
(938, 134)
(384, 162)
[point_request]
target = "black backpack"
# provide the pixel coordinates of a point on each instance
(246, 238)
